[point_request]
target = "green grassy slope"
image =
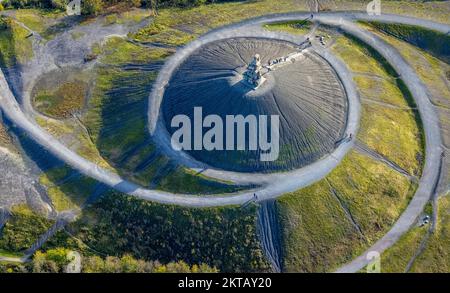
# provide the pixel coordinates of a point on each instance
(330, 222)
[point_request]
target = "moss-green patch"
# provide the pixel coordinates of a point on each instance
(55, 128)
(434, 42)
(429, 68)
(118, 90)
(319, 235)
(394, 134)
(123, 16)
(65, 192)
(184, 181)
(134, 160)
(116, 119)
(70, 128)
(38, 19)
(15, 44)
(22, 229)
(357, 56)
(55, 174)
(148, 173)
(135, 15)
(111, 19)
(116, 116)
(375, 194)
(66, 100)
(32, 19)
(119, 51)
(382, 89)
(296, 27)
(6, 253)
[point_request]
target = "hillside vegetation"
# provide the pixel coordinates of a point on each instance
(434, 42)
(57, 259)
(224, 238)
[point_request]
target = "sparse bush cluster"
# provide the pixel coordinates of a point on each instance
(128, 264)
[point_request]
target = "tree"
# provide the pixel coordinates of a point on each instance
(93, 264)
(59, 256)
(134, 3)
(52, 261)
(92, 7)
(59, 4)
(30, 3)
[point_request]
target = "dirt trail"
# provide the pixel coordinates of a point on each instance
(270, 234)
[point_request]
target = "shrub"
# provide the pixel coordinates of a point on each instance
(91, 7)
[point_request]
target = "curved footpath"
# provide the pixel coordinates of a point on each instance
(298, 178)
